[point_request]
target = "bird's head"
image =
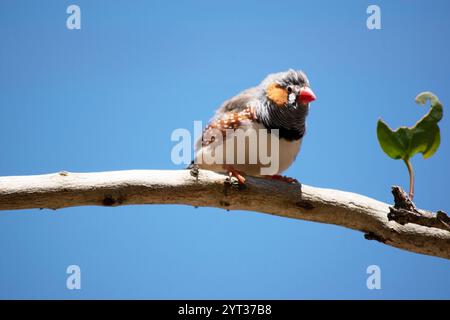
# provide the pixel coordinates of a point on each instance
(288, 89)
(285, 98)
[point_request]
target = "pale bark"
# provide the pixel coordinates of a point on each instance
(210, 189)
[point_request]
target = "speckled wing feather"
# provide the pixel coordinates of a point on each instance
(230, 115)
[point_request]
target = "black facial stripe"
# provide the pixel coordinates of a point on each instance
(288, 134)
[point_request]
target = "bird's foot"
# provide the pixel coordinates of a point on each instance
(283, 178)
(194, 170)
(232, 172)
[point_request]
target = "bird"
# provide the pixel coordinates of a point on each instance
(278, 106)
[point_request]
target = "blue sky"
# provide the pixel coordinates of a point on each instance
(108, 96)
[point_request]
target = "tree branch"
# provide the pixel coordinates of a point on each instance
(209, 189)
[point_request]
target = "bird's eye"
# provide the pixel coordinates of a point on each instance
(289, 89)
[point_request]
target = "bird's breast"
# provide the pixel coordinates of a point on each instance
(250, 148)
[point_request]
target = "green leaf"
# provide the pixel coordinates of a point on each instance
(391, 142)
(423, 137)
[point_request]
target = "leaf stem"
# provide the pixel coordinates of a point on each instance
(411, 178)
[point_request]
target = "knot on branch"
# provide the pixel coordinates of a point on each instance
(405, 211)
(111, 201)
(402, 200)
(375, 237)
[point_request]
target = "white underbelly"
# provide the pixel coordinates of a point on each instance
(249, 151)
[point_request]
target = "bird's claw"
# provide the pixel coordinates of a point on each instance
(236, 174)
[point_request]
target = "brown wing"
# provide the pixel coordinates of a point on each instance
(228, 120)
(229, 115)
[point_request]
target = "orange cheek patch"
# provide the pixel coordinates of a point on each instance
(278, 95)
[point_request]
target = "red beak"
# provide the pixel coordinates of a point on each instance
(306, 95)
